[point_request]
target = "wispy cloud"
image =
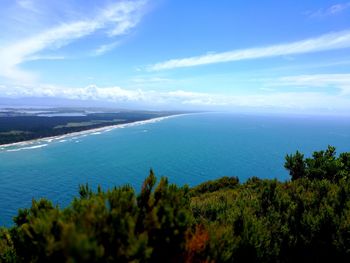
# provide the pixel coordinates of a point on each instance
(325, 42)
(46, 57)
(115, 20)
(105, 48)
(336, 81)
(332, 10)
(27, 4)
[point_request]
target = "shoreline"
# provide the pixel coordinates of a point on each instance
(83, 133)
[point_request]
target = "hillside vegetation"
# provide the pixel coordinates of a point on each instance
(304, 219)
(17, 127)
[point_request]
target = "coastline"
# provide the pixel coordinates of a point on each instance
(37, 142)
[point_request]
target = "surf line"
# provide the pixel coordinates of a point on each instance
(37, 142)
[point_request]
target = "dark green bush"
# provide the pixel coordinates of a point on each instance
(322, 165)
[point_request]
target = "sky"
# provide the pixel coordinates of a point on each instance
(278, 56)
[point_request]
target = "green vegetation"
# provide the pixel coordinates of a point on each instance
(87, 123)
(304, 219)
(322, 165)
(13, 133)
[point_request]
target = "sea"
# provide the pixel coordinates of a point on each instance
(188, 149)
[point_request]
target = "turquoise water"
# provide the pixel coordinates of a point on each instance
(188, 149)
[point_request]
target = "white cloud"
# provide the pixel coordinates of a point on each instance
(17, 53)
(106, 48)
(185, 99)
(332, 10)
(45, 57)
(335, 9)
(325, 42)
(27, 4)
(91, 92)
(337, 81)
(117, 19)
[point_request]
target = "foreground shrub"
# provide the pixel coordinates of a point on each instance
(116, 225)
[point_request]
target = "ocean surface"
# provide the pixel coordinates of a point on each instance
(188, 149)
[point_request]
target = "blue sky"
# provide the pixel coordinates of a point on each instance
(166, 54)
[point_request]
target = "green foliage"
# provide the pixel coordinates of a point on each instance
(7, 252)
(296, 165)
(103, 226)
(270, 221)
(322, 165)
(219, 184)
(305, 219)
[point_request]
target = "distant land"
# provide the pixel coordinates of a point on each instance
(23, 124)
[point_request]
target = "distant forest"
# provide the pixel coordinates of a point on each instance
(304, 219)
(19, 128)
